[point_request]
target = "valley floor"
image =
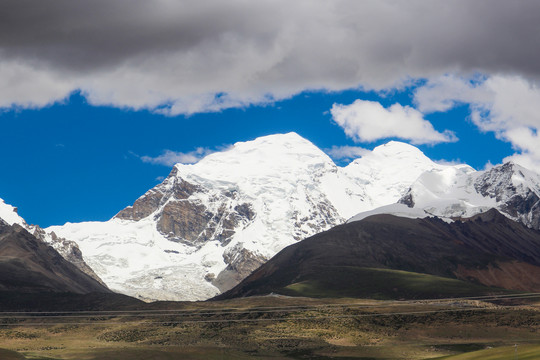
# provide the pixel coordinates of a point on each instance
(277, 327)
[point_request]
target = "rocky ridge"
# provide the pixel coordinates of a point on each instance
(29, 265)
(68, 249)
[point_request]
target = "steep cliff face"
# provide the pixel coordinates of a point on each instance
(193, 222)
(210, 224)
(516, 191)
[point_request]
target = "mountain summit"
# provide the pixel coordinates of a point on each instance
(208, 225)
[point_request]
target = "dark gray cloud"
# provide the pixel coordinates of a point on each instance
(146, 53)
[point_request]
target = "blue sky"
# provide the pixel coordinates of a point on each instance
(88, 94)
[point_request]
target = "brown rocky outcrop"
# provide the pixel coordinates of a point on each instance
(182, 217)
(241, 263)
(172, 187)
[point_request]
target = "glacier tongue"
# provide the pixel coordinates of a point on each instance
(208, 225)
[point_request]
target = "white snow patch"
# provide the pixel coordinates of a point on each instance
(400, 210)
(9, 214)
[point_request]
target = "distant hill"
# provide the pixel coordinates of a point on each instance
(29, 265)
(386, 256)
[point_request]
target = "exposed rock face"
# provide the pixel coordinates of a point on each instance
(154, 199)
(240, 263)
(183, 219)
(516, 190)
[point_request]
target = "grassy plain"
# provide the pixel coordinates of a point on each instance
(508, 352)
(279, 327)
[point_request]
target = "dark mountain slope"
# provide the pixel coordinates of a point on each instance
(29, 265)
(487, 249)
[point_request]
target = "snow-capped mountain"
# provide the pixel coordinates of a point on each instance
(460, 192)
(208, 225)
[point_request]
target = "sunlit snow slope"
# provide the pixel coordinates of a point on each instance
(208, 225)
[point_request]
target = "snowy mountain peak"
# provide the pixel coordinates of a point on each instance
(378, 172)
(397, 149)
(289, 145)
(289, 139)
(394, 157)
(274, 155)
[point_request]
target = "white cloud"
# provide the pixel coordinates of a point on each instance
(505, 105)
(27, 86)
(170, 158)
(489, 165)
(448, 162)
(346, 152)
(527, 160)
(191, 56)
(443, 93)
(367, 121)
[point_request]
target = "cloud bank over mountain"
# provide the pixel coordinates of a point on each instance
(504, 105)
(187, 56)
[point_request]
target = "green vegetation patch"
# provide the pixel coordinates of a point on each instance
(384, 284)
(521, 352)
